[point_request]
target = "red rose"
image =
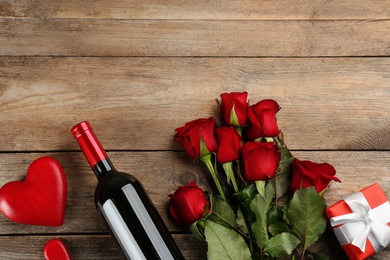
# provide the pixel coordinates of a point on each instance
(188, 204)
(260, 160)
(229, 144)
(194, 133)
(307, 173)
(262, 119)
(233, 110)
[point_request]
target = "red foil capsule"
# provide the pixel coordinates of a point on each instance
(88, 142)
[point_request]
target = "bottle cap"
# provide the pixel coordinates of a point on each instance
(88, 142)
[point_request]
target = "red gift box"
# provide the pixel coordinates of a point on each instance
(361, 222)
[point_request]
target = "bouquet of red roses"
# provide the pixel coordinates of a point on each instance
(268, 204)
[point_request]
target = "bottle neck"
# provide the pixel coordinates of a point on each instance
(92, 149)
(102, 168)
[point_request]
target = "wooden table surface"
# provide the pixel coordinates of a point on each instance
(137, 69)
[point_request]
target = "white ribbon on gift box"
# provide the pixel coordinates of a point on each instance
(363, 223)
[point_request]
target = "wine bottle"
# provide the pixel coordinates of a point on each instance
(132, 219)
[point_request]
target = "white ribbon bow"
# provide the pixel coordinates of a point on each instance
(363, 223)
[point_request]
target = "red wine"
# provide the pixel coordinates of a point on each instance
(125, 206)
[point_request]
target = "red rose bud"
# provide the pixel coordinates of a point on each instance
(197, 137)
(307, 173)
(233, 110)
(260, 160)
(229, 144)
(262, 119)
(188, 204)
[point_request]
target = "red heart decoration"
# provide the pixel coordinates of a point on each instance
(40, 198)
(55, 249)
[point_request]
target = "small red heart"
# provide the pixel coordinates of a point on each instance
(39, 199)
(55, 249)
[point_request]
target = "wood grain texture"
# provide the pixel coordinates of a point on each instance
(107, 37)
(217, 9)
(94, 247)
(169, 170)
(138, 69)
(163, 172)
(338, 103)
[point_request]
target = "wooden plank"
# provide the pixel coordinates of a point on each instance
(96, 247)
(217, 9)
(81, 216)
(300, 53)
(136, 103)
(88, 37)
(103, 247)
(162, 173)
(86, 247)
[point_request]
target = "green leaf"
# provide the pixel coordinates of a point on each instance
(306, 215)
(281, 245)
(259, 207)
(197, 230)
(245, 196)
(247, 193)
(241, 223)
(282, 177)
(278, 228)
(224, 243)
(269, 193)
(222, 213)
(275, 215)
(260, 186)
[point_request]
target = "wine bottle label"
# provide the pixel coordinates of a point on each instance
(122, 232)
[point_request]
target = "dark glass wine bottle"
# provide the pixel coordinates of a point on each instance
(126, 208)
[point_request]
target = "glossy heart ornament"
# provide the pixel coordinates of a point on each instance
(39, 199)
(55, 249)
